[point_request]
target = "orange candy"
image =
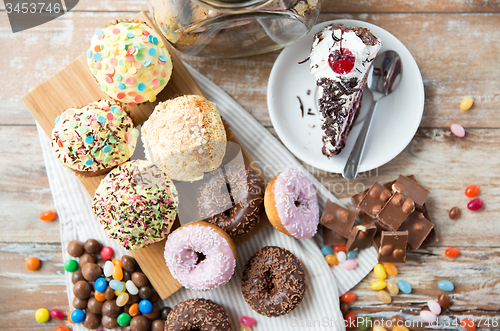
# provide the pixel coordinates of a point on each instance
(117, 262)
(32, 263)
(99, 296)
(331, 259)
(400, 328)
(339, 248)
(348, 297)
(468, 324)
(134, 310)
(391, 269)
(69, 317)
(471, 191)
(47, 215)
(62, 328)
(451, 252)
(117, 272)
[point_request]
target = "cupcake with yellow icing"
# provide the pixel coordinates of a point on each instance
(93, 139)
(130, 62)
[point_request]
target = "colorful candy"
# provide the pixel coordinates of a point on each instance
(341, 257)
(475, 204)
(134, 310)
(451, 252)
(99, 296)
(331, 259)
(70, 265)
(364, 322)
(390, 269)
(404, 286)
(349, 264)
(468, 324)
(384, 296)
(77, 316)
(444, 300)
(339, 248)
(107, 253)
(145, 306)
(123, 289)
(392, 287)
(123, 319)
(457, 130)
(131, 288)
(42, 315)
(108, 269)
(379, 271)
(379, 328)
(57, 314)
(434, 307)
(116, 285)
(454, 212)
(327, 250)
(466, 103)
(117, 262)
(351, 255)
(47, 215)
(427, 316)
(245, 328)
(32, 263)
(348, 297)
(62, 328)
(117, 272)
(350, 320)
(471, 191)
(378, 285)
(122, 299)
(400, 328)
(100, 284)
(446, 285)
(247, 320)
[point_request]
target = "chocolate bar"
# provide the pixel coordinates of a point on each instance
(418, 228)
(374, 200)
(411, 189)
(393, 246)
(331, 238)
(338, 218)
(395, 211)
(432, 238)
(361, 237)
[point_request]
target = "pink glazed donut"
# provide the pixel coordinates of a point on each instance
(201, 256)
(291, 204)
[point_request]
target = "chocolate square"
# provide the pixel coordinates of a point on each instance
(374, 200)
(338, 218)
(432, 238)
(418, 228)
(331, 238)
(361, 237)
(395, 211)
(393, 247)
(376, 240)
(411, 189)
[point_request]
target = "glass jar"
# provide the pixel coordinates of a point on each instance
(233, 28)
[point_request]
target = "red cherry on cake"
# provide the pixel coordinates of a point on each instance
(341, 62)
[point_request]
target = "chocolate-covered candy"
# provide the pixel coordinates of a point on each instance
(126, 276)
(92, 246)
(75, 248)
(393, 246)
(101, 263)
(361, 237)
(109, 293)
(95, 306)
(82, 290)
(164, 312)
(154, 297)
(154, 314)
(338, 218)
(109, 322)
(145, 292)
(126, 328)
(109, 308)
(92, 321)
(411, 189)
(86, 258)
(79, 303)
(91, 271)
(418, 228)
(77, 275)
(157, 325)
(140, 279)
(395, 211)
(139, 323)
(129, 264)
(133, 299)
(331, 238)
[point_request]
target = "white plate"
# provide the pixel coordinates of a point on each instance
(395, 121)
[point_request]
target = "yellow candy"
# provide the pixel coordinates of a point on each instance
(42, 315)
(380, 271)
(390, 269)
(466, 103)
(378, 285)
(379, 328)
(245, 328)
(400, 328)
(393, 288)
(144, 76)
(122, 69)
(384, 296)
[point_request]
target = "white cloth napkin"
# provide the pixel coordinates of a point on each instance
(319, 309)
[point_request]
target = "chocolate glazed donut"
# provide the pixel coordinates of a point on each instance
(246, 196)
(273, 282)
(197, 314)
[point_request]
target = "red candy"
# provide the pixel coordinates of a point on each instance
(350, 320)
(246, 320)
(452, 252)
(339, 248)
(471, 191)
(348, 297)
(475, 204)
(57, 314)
(47, 215)
(107, 253)
(468, 324)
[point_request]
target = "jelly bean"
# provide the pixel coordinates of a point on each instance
(32, 263)
(71, 265)
(348, 297)
(339, 248)
(379, 328)
(454, 212)
(116, 285)
(378, 285)
(475, 204)
(471, 191)
(351, 255)
(392, 287)
(451, 252)
(468, 324)
(349, 264)
(100, 284)
(145, 306)
(341, 257)
(117, 262)
(117, 272)
(466, 103)
(350, 320)
(331, 259)
(245, 328)
(42, 315)
(99, 296)
(77, 316)
(434, 307)
(122, 299)
(131, 288)
(390, 269)
(108, 269)
(123, 290)
(444, 300)
(457, 130)
(364, 322)
(62, 328)
(107, 253)
(427, 316)
(247, 320)
(379, 271)
(404, 286)
(123, 319)
(134, 310)
(400, 328)
(47, 215)
(384, 296)
(57, 314)
(327, 250)
(446, 285)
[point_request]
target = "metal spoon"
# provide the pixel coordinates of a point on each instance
(386, 76)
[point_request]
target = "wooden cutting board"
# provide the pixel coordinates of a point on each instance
(74, 86)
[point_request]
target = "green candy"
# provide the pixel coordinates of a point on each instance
(71, 265)
(123, 319)
(365, 323)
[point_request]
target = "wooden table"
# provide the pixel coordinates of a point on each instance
(456, 45)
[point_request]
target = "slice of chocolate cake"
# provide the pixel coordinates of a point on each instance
(340, 59)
